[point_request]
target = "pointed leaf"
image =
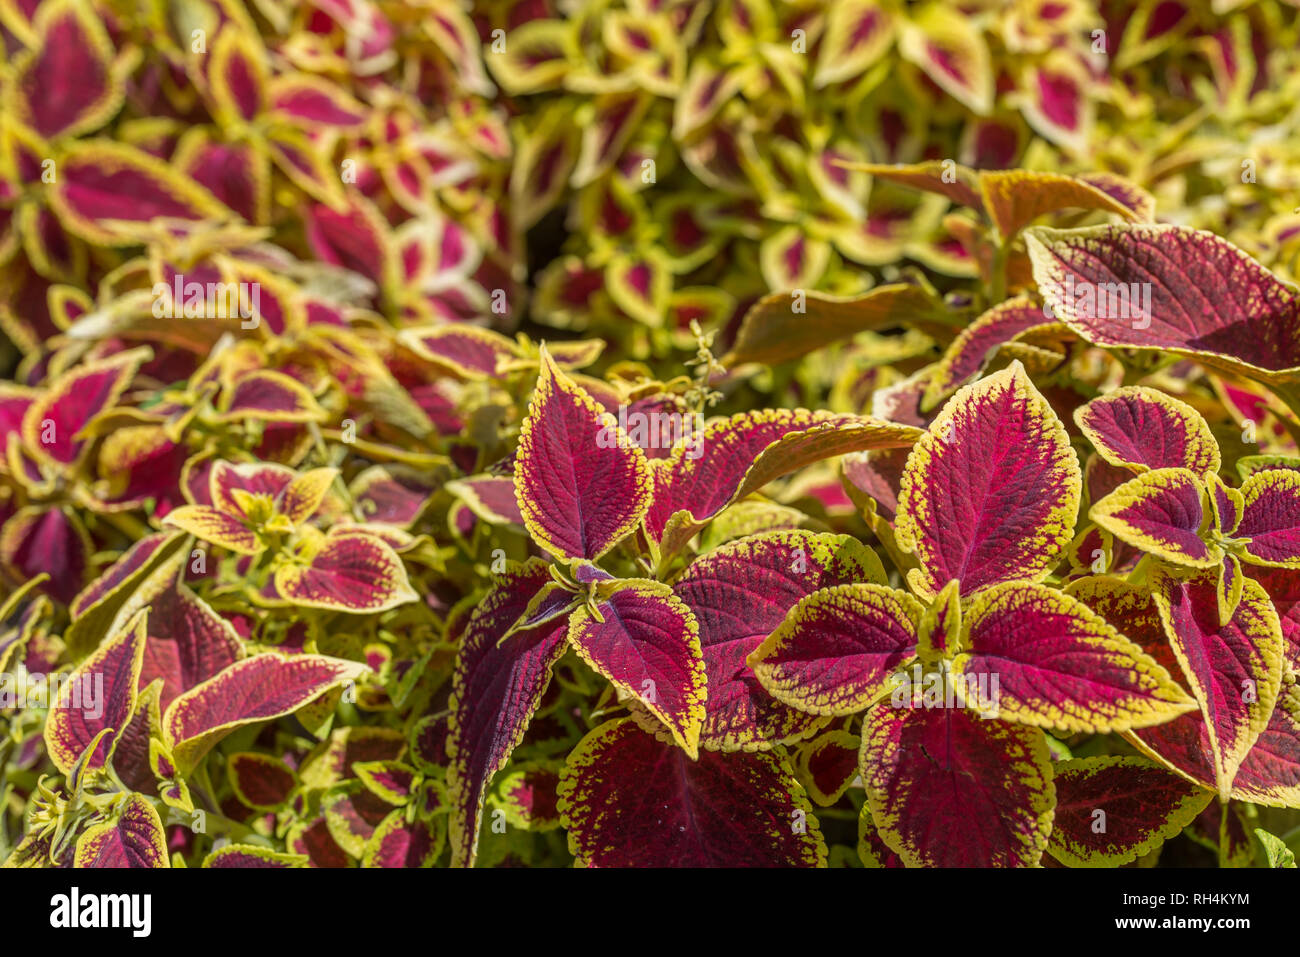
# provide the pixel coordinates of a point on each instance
(630, 800)
(582, 485)
(1053, 663)
(252, 689)
(1112, 810)
(496, 688)
(950, 789)
(1141, 428)
(134, 838)
(1163, 513)
(991, 492)
(1207, 299)
(648, 646)
(739, 593)
(836, 650)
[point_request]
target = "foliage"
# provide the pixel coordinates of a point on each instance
(649, 434)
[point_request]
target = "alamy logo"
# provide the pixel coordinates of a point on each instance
(654, 430)
(85, 693)
(932, 689)
(73, 910)
(1127, 301)
(208, 300)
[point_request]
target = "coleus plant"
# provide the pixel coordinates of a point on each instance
(395, 571)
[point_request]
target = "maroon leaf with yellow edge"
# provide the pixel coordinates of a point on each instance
(1269, 774)
(347, 571)
(52, 422)
(261, 781)
(948, 788)
(528, 795)
(187, 642)
(270, 396)
(836, 650)
(1111, 810)
(739, 593)
(1015, 198)
(857, 34)
(1270, 518)
(67, 85)
(975, 345)
(739, 455)
(953, 53)
(1141, 428)
(496, 688)
(725, 810)
(237, 75)
(38, 540)
(1162, 512)
(581, 483)
(99, 696)
(828, 765)
(1039, 657)
(787, 325)
(108, 192)
(132, 837)
(252, 855)
(1172, 288)
(1055, 101)
(465, 351)
(1234, 669)
(646, 641)
(991, 492)
(397, 842)
(252, 689)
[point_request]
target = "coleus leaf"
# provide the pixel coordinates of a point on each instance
(397, 842)
(252, 855)
(1269, 774)
(261, 781)
(1161, 512)
(528, 795)
(648, 646)
(496, 688)
(991, 492)
(975, 344)
(953, 53)
(465, 351)
(99, 696)
(1015, 198)
(188, 642)
(787, 325)
(1141, 428)
(134, 837)
(948, 788)
(725, 810)
(52, 422)
(837, 649)
(252, 689)
(578, 496)
(1053, 663)
(68, 84)
(94, 608)
(739, 455)
(857, 34)
(108, 192)
(347, 570)
(1234, 668)
(1208, 299)
(739, 593)
(829, 764)
(1270, 518)
(1110, 810)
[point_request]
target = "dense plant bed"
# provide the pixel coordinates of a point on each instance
(649, 434)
